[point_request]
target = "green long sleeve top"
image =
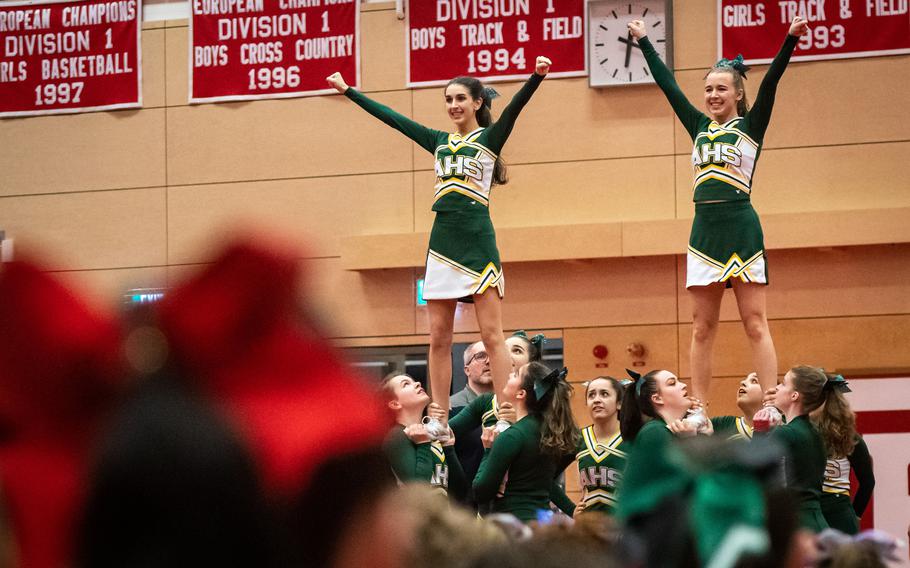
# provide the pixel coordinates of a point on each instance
(464, 164)
(731, 427)
(804, 459)
(528, 486)
(431, 462)
(724, 155)
(650, 476)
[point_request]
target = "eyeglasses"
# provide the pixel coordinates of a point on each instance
(479, 356)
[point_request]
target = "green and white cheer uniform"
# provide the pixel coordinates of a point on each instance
(462, 259)
(726, 241)
(600, 467)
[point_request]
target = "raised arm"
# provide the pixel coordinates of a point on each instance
(687, 114)
(499, 131)
(759, 116)
(495, 464)
(469, 418)
(425, 137)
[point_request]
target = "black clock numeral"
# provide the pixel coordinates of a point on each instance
(603, 28)
(615, 17)
(645, 13)
(615, 71)
(657, 23)
(598, 45)
(646, 71)
(630, 8)
(661, 41)
(605, 60)
(630, 76)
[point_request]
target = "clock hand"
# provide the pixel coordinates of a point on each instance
(628, 49)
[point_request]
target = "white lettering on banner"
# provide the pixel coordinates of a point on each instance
(562, 28)
(481, 34)
(324, 47)
(886, 7)
(812, 10)
(294, 4)
(95, 14)
(453, 10)
(25, 20)
(261, 26)
(428, 38)
(86, 66)
(12, 73)
(46, 44)
(210, 55)
(742, 16)
(218, 7)
(254, 53)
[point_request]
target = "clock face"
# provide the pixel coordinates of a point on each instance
(614, 55)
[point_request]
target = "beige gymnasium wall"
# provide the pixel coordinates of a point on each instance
(598, 207)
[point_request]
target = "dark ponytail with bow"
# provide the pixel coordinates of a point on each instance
(535, 344)
(836, 422)
(549, 398)
(484, 116)
(637, 407)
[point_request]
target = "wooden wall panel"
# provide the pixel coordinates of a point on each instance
(580, 293)
(104, 229)
(275, 139)
(840, 281)
(316, 211)
(660, 342)
(382, 63)
(847, 342)
(153, 76)
(694, 34)
(177, 66)
(380, 302)
(567, 120)
(586, 192)
(828, 178)
(347, 304)
(99, 150)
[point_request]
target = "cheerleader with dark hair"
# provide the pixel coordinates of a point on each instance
(463, 260)
(847, 452)
(518, 472)
(601, 454)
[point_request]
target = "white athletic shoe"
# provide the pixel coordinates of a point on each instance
(436, 429)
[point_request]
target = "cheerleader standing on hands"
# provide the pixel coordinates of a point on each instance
(726, 246)
(462, 260)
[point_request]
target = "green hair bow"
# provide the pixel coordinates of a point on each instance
(537, 341)
(838, 383)
(543, 386)
(735, 63)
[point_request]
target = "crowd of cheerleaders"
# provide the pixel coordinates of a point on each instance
(529, 437)
(525, 423)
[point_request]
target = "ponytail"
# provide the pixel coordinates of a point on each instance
(484, 117)
(836, 422)
(549, 398)
(637, 407)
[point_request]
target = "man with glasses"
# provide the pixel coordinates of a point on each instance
(480, 377)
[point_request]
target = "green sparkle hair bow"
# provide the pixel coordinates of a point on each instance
(638, 382)
(543, 386)
(838, 383)
(489, 93)
(735, 63)
(537, 341)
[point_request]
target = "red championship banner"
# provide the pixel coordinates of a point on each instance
(264, 49)
(496, 40)
(65, 57)
(838, 29)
